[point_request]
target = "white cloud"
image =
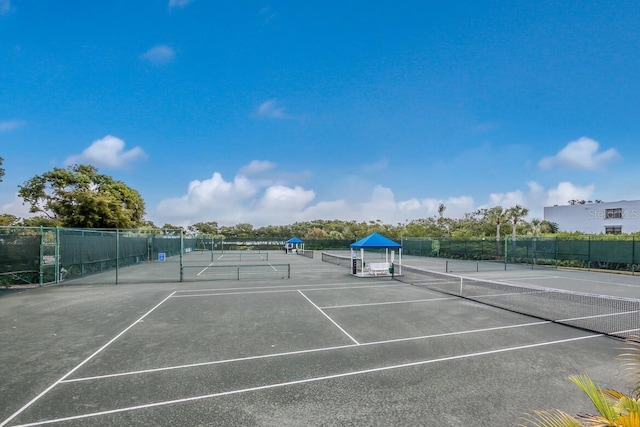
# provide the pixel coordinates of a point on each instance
(256, 167)
(159, 55)
(271, 110)
(281, 199)
(580, 154)
(8, 125)
(17, 207)
(261, 201)
(507, 199)
(566, 191)
(109, 152)
(212, 198)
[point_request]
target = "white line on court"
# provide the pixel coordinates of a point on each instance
(628, 331)
(501, 277)
(305, 381)
(277, 287)
(271, 291)
(205, 269)
(48, 389)
(602, 282)
(330, 319)
(389, 302)
(568, 277)
(599, 315)
(315, 350)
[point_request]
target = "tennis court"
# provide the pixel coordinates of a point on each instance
(320, 347)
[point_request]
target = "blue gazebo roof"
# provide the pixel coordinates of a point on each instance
(294, 240)
(375, 241)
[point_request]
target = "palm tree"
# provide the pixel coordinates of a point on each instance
(614, 409)
(497, 216)
(536, 226)
(516, 215)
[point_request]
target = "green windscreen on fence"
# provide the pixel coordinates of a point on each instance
(41, 255)
(588, 252)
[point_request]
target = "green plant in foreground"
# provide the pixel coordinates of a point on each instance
(614, 409)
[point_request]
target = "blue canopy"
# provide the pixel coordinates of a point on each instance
(375, 241)
(294, 240)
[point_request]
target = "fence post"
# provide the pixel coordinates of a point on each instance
(506, 241)
(181, 252)
(633, 255)
(589, 253)
(117, 253)
(41, 255)
(56, 254)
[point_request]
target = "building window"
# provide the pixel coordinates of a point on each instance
(613, 213)
(613, 229)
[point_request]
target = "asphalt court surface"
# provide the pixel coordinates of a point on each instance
(321, 348)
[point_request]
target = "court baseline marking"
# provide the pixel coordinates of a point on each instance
(270, 291)
(387, 302)
(304, 381)
(277, 286)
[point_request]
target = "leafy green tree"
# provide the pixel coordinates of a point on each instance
(552, 226)
(41, 221)
(316, 233)
(81, 197)
(8, 219)
(1, 169)
(210, 227)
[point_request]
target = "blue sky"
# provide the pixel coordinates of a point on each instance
(273, 112)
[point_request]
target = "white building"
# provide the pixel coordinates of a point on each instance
(594, 218)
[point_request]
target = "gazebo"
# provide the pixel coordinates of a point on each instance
(375, 268)
(293, 244)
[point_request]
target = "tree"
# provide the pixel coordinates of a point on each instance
(1, 169)
(210, 227)
(172, 230)
(552, 226)
(516, 215)
(81, 197)
(8, 219)
(496, 216)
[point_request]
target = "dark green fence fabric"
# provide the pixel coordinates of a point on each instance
(38, 255)
(19, 256)
(587, 252)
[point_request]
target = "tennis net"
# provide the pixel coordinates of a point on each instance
(236, 272)
(614, 316)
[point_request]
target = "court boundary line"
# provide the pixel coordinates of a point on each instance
(94, 354)
(388, 303)
(315, 350)
(304, 381)
(328, 317)
(178, 291)
(271, 291)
